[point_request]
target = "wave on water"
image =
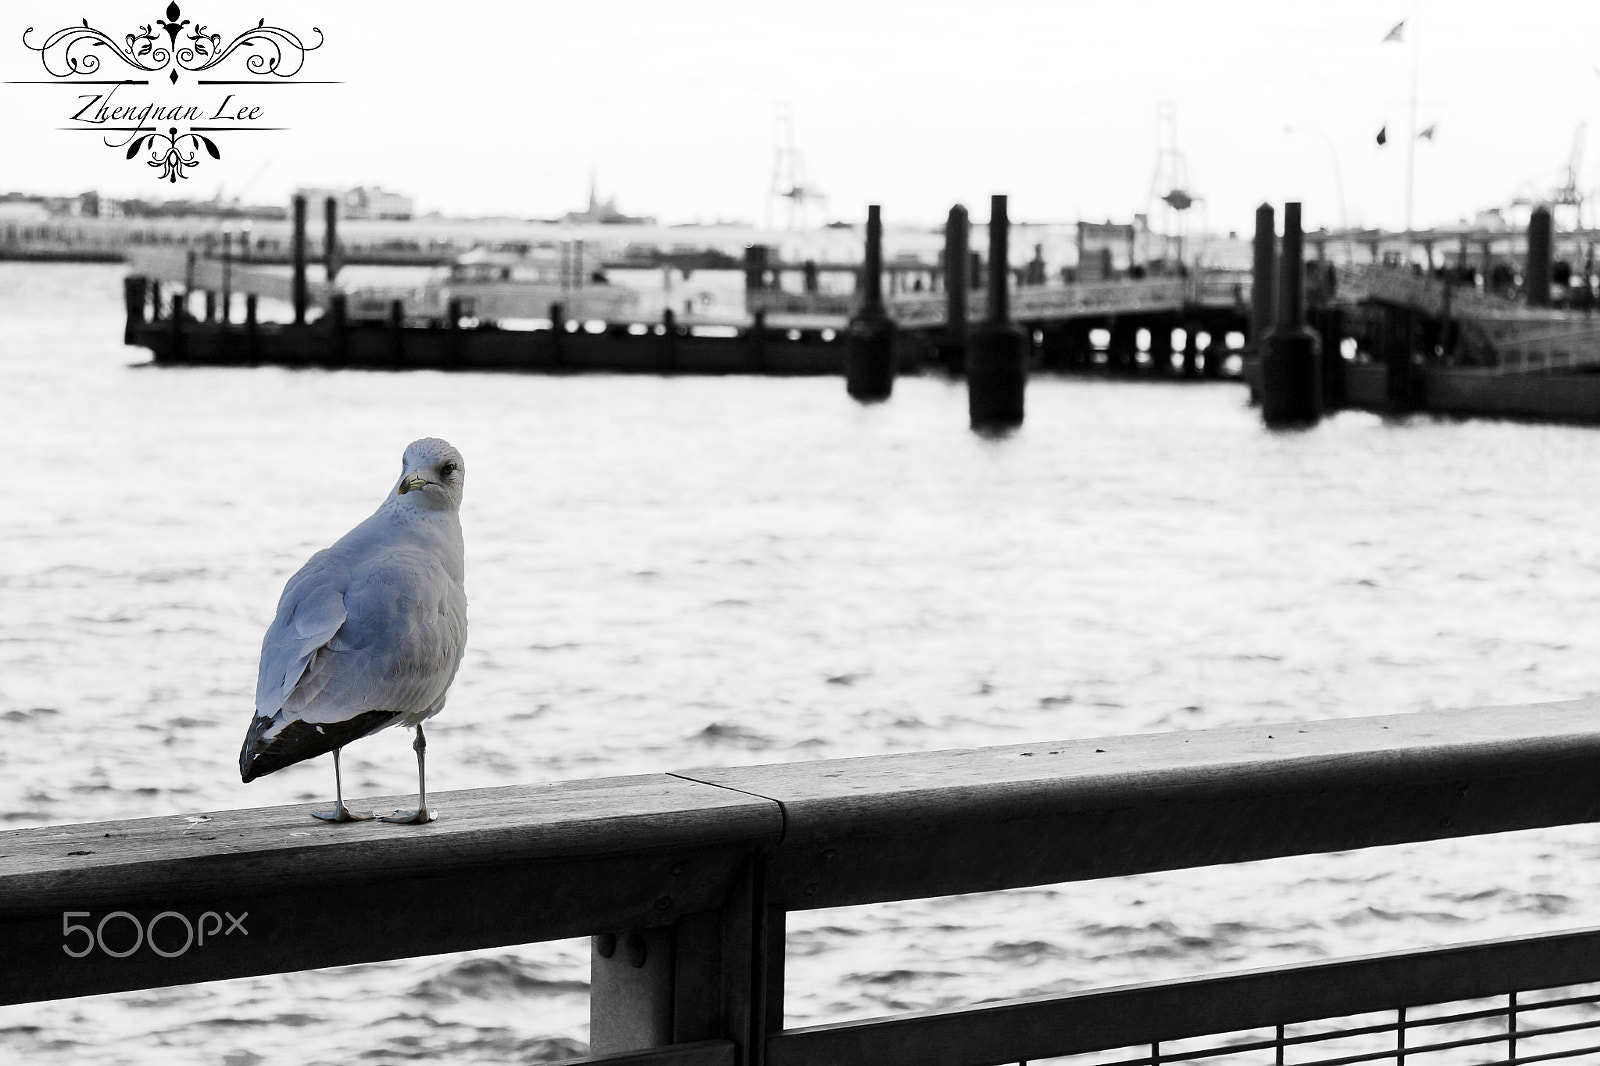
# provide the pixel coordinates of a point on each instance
(488, 978)
(29, 715)
(1025, 952)
(734, 734)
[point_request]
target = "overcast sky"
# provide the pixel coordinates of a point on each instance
(481, 108)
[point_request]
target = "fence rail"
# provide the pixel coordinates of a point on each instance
(683, 880)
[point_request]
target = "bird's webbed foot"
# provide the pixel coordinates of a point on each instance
(341, 813)
(420, 816)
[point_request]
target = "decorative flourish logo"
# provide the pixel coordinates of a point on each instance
(75, 54)
(171, 159)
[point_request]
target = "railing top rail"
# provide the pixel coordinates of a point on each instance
(937, 823)
(873, 795)
(100, 862)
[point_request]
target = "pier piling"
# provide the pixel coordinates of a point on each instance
(756, 343)
(953, 346)
(135, 290)
(1263, 278)
(1080, 344)
(339, 317)
(1215, 352)
(1191, 350)
(756, 258)
(870, 337)
(397, 332)
(252, 329)
(997, 372)
(298, 253)
(1400, 384)
(331, 260)
(558, 326)
(1539, 258)
(1291, 380)
(179, 313)
(669, 340)
(1122, 347)
(1329, 324)
(1161, 347)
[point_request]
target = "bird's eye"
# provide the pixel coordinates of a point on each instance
(448, 469)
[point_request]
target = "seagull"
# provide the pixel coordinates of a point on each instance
(369, 632)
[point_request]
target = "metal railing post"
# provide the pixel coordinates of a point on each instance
(711, 975)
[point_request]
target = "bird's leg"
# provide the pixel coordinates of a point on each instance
(340, 812)
(421, 815)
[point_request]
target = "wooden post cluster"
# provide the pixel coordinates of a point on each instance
(997, 369)
(298, 253)
(869, 351)
(1291, 374)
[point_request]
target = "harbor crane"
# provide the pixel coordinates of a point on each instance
(1170, 198)
(1567, 193)
(789, 184)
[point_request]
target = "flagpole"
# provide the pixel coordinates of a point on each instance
(1411, 141)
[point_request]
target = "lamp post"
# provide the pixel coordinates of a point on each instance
(1338, 184)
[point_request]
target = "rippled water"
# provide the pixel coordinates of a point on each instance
(669, 573)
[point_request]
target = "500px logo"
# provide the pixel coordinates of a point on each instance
(122, 924)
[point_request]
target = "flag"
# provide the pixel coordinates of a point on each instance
(1396, 34)
(1383, 136)
(1427, 134)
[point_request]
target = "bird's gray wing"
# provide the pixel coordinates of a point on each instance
(310, 611)
(398, 648)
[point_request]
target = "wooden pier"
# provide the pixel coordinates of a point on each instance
(782, 333)
(683, 881)
(1396, 339)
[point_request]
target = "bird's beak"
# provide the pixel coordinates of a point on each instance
(412, 481)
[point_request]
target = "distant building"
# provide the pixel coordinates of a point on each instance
(1492, 219)
(604, 211)
(363, 202)
(16, 208)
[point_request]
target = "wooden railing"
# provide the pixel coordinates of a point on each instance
(683, 879)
